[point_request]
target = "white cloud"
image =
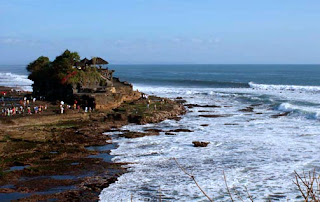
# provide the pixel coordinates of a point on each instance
(9, 41)
(196, 40)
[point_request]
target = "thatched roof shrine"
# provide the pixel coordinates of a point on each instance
(98, 61)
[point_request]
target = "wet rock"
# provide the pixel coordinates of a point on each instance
(205, 106)
(134, 119)
(177, 118)
(247, 109)
(167, 133)
(255, 105)
(16, 163)
(215, 115)
(57, 148)
(180, 130)
(132, 134)
(200, 144)
(181, 101)
(6, 190)
(279, 115)
(154, 130)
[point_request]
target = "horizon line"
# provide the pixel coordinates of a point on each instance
(195, 64)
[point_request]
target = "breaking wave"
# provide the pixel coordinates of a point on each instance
(308, 112)
(15, 80)
(284, 87)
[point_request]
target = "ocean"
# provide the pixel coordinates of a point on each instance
(15, 76)
(255, 149)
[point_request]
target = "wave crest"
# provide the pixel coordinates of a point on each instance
(15, 80)
(308, 112)
(284, 87)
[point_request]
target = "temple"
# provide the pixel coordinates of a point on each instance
(91, 83)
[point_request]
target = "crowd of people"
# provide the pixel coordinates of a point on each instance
(22, 107)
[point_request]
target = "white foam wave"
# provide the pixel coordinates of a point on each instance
(253, 149)
(285, 87)
(14, 80)
(309, 112)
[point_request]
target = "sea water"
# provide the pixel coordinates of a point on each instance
(256, 150)
(15, 76)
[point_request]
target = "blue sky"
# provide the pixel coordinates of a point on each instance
(162, 31)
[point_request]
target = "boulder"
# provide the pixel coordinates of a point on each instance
(200, 144)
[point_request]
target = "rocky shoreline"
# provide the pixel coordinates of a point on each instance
(65, 157)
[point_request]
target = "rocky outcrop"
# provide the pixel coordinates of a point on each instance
(200, 144)
(58, 145)
(108, 101)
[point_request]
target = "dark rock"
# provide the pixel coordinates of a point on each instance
(215, 115)
(255, 105)
(177, 118)
(200, 144)
(204, 125)
(231, 124)
(167, 133)
(247, 109)
(18, 164)
(178, 98)
(134, 119)
(180, 130)
(154, 130)
(132, 134)
(279, 115)
(205, 106)
(180, 101)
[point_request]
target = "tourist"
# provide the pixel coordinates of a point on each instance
(75, 104)
(61, 108)
(29, 110)
(36, 108)
(148, 104)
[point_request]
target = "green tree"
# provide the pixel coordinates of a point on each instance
(64, 62)
(62, 65)
(38, 67)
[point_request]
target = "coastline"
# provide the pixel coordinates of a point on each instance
(62, 157)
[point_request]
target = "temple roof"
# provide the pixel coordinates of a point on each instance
(93, 61)
(98, 61)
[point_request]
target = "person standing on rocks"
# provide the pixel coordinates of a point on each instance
(61, 107)
(148, 103)
(75, 104)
